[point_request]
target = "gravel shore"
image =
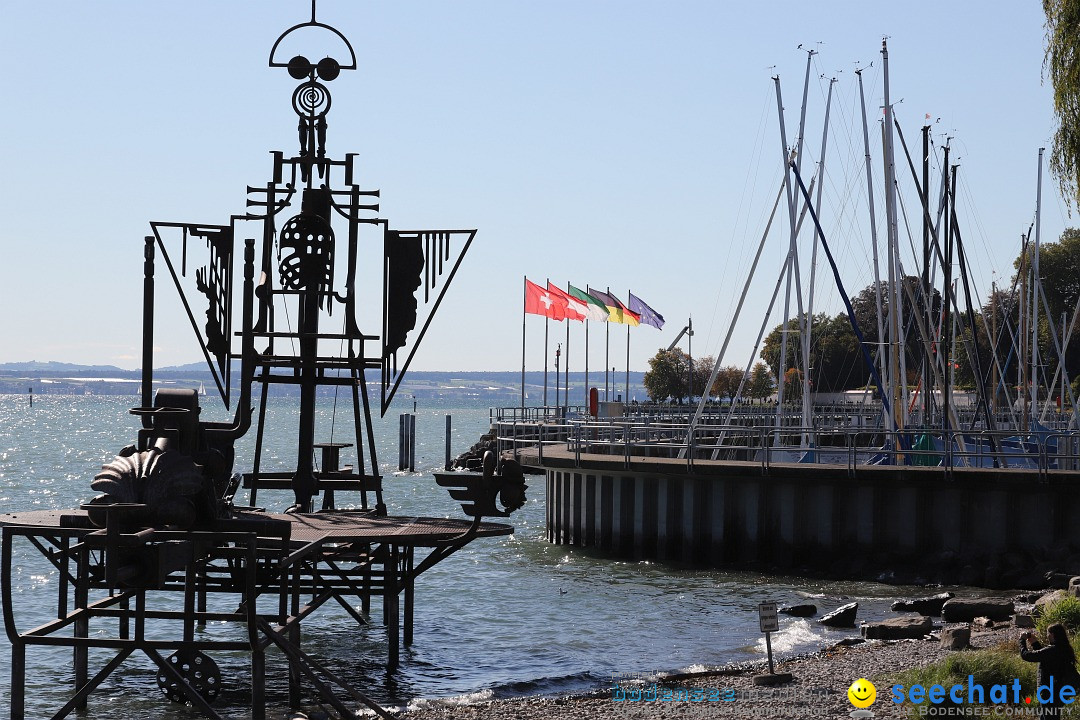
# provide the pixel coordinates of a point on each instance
(819, 688)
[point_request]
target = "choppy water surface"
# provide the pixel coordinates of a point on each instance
(502, 617)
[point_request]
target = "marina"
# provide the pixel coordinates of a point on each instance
(262, 538)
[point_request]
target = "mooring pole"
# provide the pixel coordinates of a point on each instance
(412, 443)
(148, 328)
(446, 465)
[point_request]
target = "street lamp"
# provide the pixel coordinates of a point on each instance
(688, 331)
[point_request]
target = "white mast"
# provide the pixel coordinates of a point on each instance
(805, 322)
(807, 419)
(873, 231)
(890, 215)
(793, 265)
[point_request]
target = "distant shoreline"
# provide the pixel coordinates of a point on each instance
(497, 387)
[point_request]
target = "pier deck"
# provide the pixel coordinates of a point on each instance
(274, 572)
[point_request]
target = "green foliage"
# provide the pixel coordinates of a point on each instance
(1065, 611)
(837, 362)
(761, 384)
(728, 380)
(996, 666)
(1062, 64)
(1059, 267)
(667, 376)
(702, 369)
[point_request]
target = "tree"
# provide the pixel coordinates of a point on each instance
(761, 383)
(836, 361)
(792, 385)
(727, 382)
(702, 371)
(1059, 265)
(1062, 64)
(667, 375)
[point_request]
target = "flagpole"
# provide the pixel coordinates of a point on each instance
(607, 330)
(607, 357)
(586, 361)
(566, 367)
(568, 286)
(547, 321)
(626, 398)
(524, 300)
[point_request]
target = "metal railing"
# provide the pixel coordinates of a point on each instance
(847, 449)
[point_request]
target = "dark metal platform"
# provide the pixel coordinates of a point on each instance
(276, 570)
(332, 527)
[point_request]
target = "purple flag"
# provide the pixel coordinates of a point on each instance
(648, 315)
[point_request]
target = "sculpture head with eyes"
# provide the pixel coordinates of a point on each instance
(311, 98)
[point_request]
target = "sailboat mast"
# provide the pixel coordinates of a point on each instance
(805, 321)
(890, 215)
(946, 315)
(1036, 282)
(928, 306)
(791, 242)
(873, 229)
(807, 419)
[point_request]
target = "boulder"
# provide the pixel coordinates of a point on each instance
(842, 617)
(1074, 587)
(898, 628)
(1023, 621)
(956, 638)
(1046, 601)
(802, 610)
(930, 605)
(967, 609)
(1058, 580)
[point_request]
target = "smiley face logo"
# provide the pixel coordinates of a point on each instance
(862, 693)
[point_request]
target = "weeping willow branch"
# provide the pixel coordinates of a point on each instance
(1062, 65)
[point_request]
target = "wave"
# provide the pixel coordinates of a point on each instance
(796, 635)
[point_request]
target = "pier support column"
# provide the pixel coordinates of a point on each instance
(294, 639)
(258, 684)
(392, 611)
(407, 629)
(18, 681)
(82, 626)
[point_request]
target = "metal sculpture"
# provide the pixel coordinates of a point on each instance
(307, 282)
(165, 519)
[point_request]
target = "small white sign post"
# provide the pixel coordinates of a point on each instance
(769, 622)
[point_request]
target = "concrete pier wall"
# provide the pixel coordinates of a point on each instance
(992, 527)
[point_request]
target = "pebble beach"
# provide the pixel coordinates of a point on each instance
(818, 688)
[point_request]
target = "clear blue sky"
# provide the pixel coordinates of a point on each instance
(625, 144)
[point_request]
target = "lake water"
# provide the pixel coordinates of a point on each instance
(502, 617)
